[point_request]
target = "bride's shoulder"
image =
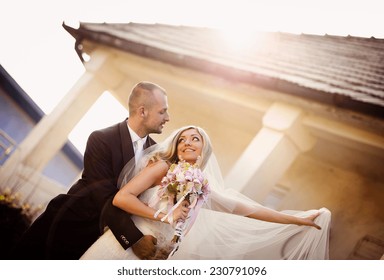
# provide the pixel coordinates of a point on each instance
(156, 170)
(161, 166)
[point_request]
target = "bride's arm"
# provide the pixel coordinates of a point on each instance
(270, 215)
(236, 203)
(127, 197)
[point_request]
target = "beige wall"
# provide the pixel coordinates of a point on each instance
(356, 201)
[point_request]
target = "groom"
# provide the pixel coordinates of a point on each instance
(71, 222)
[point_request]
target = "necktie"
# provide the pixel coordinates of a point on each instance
(138, 149)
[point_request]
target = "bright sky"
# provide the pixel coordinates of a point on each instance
(39, 54)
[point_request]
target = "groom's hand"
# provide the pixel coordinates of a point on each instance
(145, 248)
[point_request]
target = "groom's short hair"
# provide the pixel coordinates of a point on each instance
(142, 95)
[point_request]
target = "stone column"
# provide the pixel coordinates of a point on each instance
(271, 152)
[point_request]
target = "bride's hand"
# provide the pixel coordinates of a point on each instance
(181, 212)
(310, 220)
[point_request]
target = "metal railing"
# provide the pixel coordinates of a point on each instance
(7, 144)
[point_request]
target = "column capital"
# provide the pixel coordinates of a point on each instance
(289, 120)
(102, 65)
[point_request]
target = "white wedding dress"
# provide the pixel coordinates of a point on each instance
(221, 229)
(217, 235)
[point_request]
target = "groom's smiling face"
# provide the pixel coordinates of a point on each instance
(190, 145)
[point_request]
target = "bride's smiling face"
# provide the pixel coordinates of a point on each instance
(189, 145)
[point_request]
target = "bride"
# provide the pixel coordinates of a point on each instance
(177, 195)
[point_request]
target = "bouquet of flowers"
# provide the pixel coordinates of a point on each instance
(183, 181)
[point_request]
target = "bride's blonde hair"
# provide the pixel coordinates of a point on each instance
(168, 150)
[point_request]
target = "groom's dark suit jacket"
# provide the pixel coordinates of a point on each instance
(72, 221)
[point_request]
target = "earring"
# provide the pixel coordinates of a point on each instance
(198, 161)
